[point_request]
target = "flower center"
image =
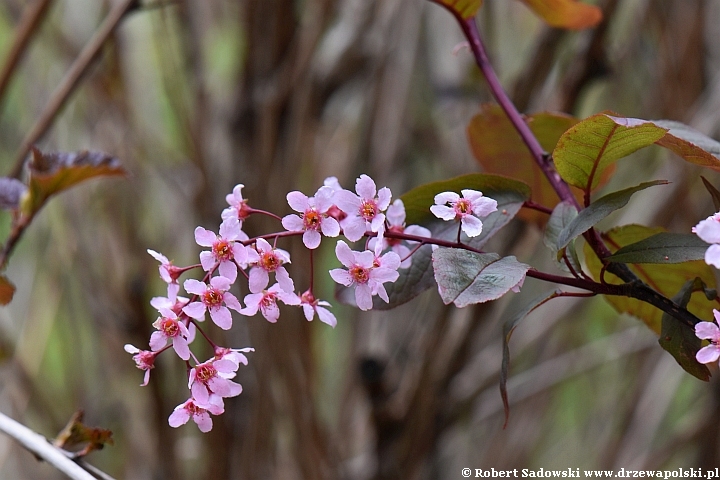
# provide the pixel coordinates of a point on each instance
(212, 297)
(144, 360)
(463, 207)
(193, 409)
(222, 250)
(268, 299)
(269, 261)
(368, 210)
(311, 219)
(205, 372)
(359, 274)
(170, 327)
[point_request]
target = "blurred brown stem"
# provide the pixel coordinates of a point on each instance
(29, 23)
(70, 82)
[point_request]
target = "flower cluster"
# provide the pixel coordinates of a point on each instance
(231, 254)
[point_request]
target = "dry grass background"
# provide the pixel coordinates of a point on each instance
(195, 96)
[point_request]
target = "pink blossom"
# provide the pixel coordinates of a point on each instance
(312, 306)
(364, 210)
(314, 219)
(709, 231)
(396, 222)
(334, 211)
(169, 328)
(234, 355)
(364, 273)
(200, 414)
(266, 302)
(168, 272)
(213, 376)
(212, 298)
(269, 260)
(238, 205)
(223, 249)
(144, 360)
(466, 209)
(709, 331)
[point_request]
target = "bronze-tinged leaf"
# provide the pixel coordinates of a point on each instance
(51, 173)
(7, 290)
(465, 9)
(499, 149)
(665, 279)
(691, 145)
(77, 434)
(570, 14)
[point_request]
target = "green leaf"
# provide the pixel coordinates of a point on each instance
(690, 144)
(569, 14)
(7, 290)
(508, 330)
(465, 277)
(584, 152)
(679, 340)
(664, 247)
(499, 149)
(714, 192)
(465, 9)
(665, 279)
(598, 210)
(563, 214)
(51, 173)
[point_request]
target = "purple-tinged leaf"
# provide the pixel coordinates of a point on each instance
(11, 192)
(598, 210)
(690, 144)
(51, 173)
(465, 277)
(714, 193)
(678, 339)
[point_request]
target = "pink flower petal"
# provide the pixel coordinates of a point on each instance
(194, 286)
(228, 270)
(231, 301)
(707, 330)
(354, 228)
(181, 348)
(443, 212)
(195, 310)
(207, 260)
(365, 187)
(311, 239)
(258, 280)
(293, 223)
(326, 316)
(341, 276)
(396, 213)
(384, 197)
(363, 297)
(712, 255)
(472, 226)
(484, 206)
(297, 201)
(203, 421)
(204, 238)
(221, 283)
(347, 201)
(222, 317)
(446, 197)
(180, 416)
(330, 227)
(344, 254)
(708, 354)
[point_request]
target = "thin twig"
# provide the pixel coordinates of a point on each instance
(70, 82)
(38, 445)
(29, 22)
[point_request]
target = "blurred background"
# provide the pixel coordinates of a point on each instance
(195, 96)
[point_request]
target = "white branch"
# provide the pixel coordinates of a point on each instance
(39, 445)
